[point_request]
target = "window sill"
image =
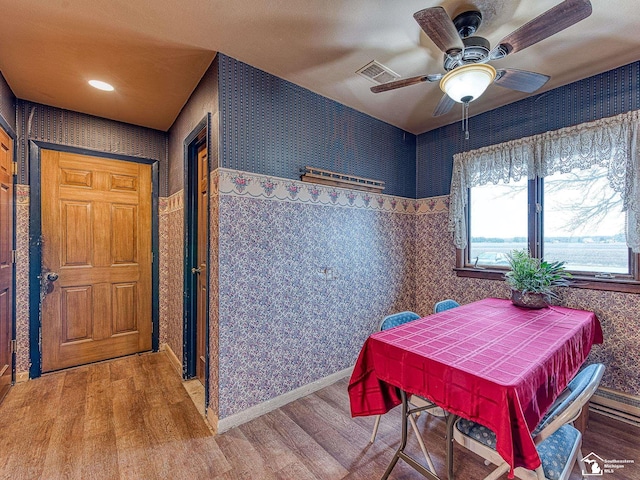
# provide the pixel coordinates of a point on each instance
(590, 283)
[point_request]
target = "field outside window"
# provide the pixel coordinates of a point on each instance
(498, 222)
(580, 220)
(584, 224)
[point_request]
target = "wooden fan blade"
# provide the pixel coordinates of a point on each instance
(520, 80)
(405, 82)
(438, 26)
(445, 104)
(549, 23)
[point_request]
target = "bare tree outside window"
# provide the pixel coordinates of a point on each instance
(583, 222)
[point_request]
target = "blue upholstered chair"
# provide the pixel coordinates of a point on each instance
(558, 442)
(389, 322)
(445, 305)
(398, 319)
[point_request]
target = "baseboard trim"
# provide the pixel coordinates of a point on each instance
(212, 420)
(177, 364)
(257, 410)
(22, 377)
(618, 405)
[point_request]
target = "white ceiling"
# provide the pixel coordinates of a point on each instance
(155, 51)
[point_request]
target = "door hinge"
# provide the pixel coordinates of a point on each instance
(14, 168)
(14, 255)
(14, 346)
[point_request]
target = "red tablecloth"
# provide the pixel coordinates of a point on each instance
(488, 361)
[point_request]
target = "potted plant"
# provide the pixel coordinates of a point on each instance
(533, 280)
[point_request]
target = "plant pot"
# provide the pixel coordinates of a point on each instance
(528, 300)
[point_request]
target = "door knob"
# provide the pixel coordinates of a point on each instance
(196, 270)
(52, 276)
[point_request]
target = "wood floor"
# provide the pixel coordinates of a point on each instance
(132, 419)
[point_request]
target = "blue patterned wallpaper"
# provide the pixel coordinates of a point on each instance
(610, 93)
(283, 324)
(203, 100)
(55, 125)
(273, 127)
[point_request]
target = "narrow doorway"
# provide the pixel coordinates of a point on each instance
(196, 270)
(7, 355)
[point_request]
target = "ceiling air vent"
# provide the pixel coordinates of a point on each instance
(378, 73)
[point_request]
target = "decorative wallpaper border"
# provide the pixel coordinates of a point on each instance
(214, 183)
(22, 194)
(171, 204)
(240, 184)
(431, 205)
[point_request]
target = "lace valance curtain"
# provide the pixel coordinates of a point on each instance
(610, 142)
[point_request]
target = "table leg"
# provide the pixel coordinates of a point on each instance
(403, 443)
(403, 438)
(451, 420)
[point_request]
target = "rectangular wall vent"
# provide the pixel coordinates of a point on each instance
(377, 73)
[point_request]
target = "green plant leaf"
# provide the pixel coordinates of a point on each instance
(533, 275)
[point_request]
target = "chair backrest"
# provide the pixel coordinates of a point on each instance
(398, 319)
(445, 305)
(568, 406)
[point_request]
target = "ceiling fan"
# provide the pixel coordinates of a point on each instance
(466, 56)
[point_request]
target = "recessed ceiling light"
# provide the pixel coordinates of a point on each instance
(100, 85)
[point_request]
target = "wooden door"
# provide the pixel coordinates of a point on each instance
(201, 261)
(6, 261)
(96, 227)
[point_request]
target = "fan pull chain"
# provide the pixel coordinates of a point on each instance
(465, 119)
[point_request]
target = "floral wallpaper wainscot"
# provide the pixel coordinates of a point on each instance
(22, 280)
(171, 227)
(307, 272)
(214, 298)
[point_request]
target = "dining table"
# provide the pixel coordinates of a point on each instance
(488, 361)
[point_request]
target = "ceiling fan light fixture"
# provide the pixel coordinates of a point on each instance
(466, 83)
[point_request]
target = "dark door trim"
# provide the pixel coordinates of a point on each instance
(7, 128)
(35, 244)
(191, 144)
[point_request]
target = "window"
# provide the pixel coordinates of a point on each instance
(498, 222)
(584, 224)
(580, 220)
(572, 195)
